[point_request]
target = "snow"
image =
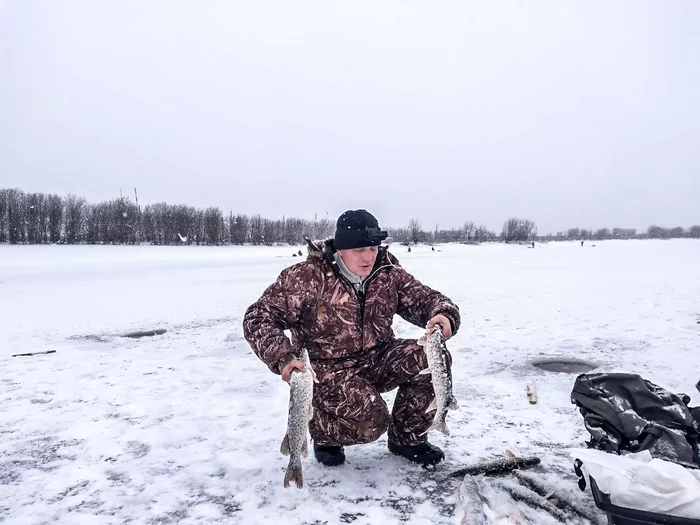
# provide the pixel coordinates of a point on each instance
(185, 427)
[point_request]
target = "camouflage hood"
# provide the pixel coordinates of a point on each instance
(324, 314)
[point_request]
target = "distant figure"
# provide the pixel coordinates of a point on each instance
(299, 253)
(432, 248)
(533, 244)
(294, 255)
(581, 243)
(409, 248)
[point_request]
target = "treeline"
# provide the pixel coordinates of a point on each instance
(525, 230)
(467, 233)
(37, 218)
(652, 232)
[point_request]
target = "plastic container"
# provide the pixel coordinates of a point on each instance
(624, 516)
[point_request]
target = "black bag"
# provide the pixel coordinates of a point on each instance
(627, 412)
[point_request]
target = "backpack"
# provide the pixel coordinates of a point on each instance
(624, 412)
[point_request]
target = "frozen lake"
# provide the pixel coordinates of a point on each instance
(185, 427)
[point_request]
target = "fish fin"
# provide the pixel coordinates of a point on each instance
(284, 448)
(421, 341)
(313, 373)
(424, 371)
(453, 404)
(510, 455)
(433, 406)
(294, 474)
(311, 413)
(441, 426)
(305, 448)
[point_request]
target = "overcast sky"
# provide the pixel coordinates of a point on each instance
(568, 113)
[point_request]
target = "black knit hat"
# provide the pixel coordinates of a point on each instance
(357, 229)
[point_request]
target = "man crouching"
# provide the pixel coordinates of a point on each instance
(339, 304)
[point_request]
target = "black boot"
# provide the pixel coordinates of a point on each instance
(424, 453)
(329, 455)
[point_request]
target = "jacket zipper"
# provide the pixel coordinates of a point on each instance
(365, 286)
(361, 303)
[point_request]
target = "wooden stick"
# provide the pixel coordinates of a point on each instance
(35, 353)
(532, 394)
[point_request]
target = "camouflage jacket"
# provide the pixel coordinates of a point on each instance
(324, 313)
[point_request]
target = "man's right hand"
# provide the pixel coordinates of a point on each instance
(287, 370)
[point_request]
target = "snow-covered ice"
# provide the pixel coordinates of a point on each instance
(185, 427)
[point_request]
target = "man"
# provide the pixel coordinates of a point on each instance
(339, 304)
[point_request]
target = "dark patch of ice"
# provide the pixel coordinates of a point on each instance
(144, 333)
(564, 365)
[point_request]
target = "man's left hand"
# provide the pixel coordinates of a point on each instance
(444, 323)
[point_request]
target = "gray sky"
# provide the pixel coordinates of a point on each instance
(568, 113)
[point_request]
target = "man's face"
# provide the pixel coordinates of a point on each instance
(360, 261)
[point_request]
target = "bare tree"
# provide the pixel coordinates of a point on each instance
(677, 232)
(622, 233)
(400, 235)
(16, 217)
(518, 230)
(32, 218)
(602, 233)
(414, 231)
(240, 229)
(694, 232)
(75, 219)
(3, 215)
(657, 232)
(213, 226)
(294, 231)
(320, 229)
(468, 230)
(482, 234)
(268, 232)
(55, 217)
(256, 230)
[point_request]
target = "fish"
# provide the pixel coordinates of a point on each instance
(436, 351)
(295, 443)
(530, 498)
(497, 466)
(471, 502)
(500, 503)
(559, 498)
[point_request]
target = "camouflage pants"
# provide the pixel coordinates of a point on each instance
(348, 407)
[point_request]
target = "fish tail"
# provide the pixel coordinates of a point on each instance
(440, 425)
(294, 474)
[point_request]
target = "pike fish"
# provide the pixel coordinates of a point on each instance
(436, 351)
(295, 443)
(472, 504)
(497, 466)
